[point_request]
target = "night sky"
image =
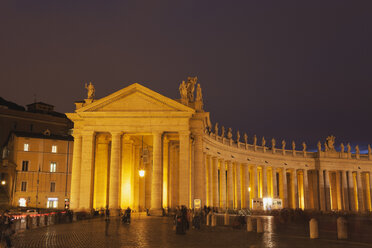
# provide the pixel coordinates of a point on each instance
(299, 70)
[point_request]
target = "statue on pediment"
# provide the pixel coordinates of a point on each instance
(199, 96)
(223, 132)
(273, 142)
(191, 81)
(331, 142)
(263, 142)
(319, 145)
(369, 149)
(357, 151)
(342, 147)
(183, 93)
(283, 144)
(91, 90)
(238, 136)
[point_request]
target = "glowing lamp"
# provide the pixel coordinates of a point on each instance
(249, 189)
(3, 182)
(141, 173)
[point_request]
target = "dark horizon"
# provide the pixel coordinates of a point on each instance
(294, 70)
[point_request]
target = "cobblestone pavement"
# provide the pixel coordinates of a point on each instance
(158, 232)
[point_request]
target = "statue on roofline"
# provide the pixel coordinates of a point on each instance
(223, 132)
(342, 147)
(331, 142)
(245, 138)
(273, 143)
(238, 136)
(91, 90)
(229, 133)
(216, 129)
(304, 146)
(283, 144)
(348, 148)
(191, 81)
(263, 142)
(319, 146)
(183, 92)
(254, 140)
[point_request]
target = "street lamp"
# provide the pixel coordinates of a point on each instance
(3, 182)
(141, 173)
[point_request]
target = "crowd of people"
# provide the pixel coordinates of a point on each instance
(7, 229)
(185, 217)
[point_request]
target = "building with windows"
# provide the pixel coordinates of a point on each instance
(42, 163)
(138, 148)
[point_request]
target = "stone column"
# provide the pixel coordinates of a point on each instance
(294, 188)
(166, 175)
(306, 190)
(238, 186)
(86, 180)
(345, 194)
(114, 173)
(230, 186)
(215, 182)
(274, 183)
(360, 192)
(157, 175)
(351, 191)
(255, 182)
(76, 172)
(222, 184)
(264, 182)
(246, 186)
(323, 206)
(327, 190)
(210, 181)
(200, 175)
(283, 188)
(184, 169)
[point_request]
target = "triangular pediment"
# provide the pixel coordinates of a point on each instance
(135, 98)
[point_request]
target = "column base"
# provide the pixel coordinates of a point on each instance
(156, 212)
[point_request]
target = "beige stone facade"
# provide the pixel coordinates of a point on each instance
(43, 169)
(137, 129)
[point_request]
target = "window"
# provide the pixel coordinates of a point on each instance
(54, 149)
(24, 186)
(53, 166)
(52, 203)
(52, 187)
(25, 147)
(22, 202)
(25, 165)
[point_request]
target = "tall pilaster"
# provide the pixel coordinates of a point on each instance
(184, 168)
(238, 187)
(322, 199)
(200, 175)
(283, 187)
(157, 175)
(294, 189)
(210, 181)
(360, 192)
(274, 183)
(230, 186)
(222, 184)
(114, 173)
(353, 206)
(255, 182)
(306, 190)
(86, 180)
(215, 182)
(327, 190)
(345, 194)
(246, 187)
(76, 172)
(264, 182)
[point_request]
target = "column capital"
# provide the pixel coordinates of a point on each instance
(115, 133)
(87, 132)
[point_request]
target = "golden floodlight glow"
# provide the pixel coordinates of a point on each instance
(141, 173)
(3, 182)
(249, 189)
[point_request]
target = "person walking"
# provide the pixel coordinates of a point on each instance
(107, 214)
